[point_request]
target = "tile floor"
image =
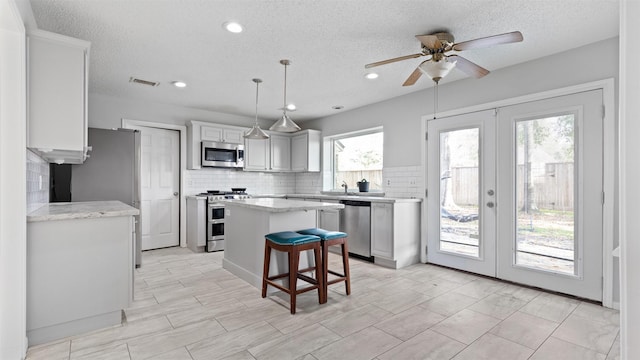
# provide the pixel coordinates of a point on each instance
(188, 307)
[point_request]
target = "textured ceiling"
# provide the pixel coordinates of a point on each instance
(328, 43)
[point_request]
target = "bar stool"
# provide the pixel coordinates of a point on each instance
(331, 238)
(293, 243)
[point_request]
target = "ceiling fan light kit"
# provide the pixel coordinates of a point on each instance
(256, 132)
(436, 70)
(440, 63)
(285, 124)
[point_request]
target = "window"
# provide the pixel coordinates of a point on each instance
(358, 156)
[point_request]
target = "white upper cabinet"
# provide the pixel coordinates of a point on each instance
(298, 152)
(57, 103)
(222, 134)
(280, 152)
(199, 131)
(305, 151)
(256, 155)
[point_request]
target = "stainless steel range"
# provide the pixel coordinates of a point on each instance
(216, 214)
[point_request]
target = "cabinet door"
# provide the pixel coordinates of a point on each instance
(299, 153)
(57, 96)
(233, 136)
(209, 133)
(329, 220)
(382, 230)
(280, 153)
(256, 154)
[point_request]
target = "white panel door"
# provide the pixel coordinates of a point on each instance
(461, 183)
(550, 180)
(160, 183)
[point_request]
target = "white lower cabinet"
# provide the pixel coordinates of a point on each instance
(328, 219)
(382, 230)
(395, 233)
(196, 223)
(79, 275)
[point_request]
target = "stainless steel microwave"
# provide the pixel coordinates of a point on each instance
(216, 154)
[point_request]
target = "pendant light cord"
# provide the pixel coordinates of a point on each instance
(257, 86)
(435, 100)
(284, 105)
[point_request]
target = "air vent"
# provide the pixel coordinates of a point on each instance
(143, 82)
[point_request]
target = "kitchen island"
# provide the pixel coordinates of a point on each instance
(248, 221)
(80, 261)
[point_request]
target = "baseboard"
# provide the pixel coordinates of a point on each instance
(75, 327)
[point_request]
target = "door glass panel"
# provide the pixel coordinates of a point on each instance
(459, 192)
(545, 187)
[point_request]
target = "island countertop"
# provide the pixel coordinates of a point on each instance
(283, 205)
(81, 210)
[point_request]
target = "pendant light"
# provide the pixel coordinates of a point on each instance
(285, 124)
(256, 132)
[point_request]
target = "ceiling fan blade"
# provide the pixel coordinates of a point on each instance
(429, 41)
(468, 67)
(389, 61)
(506, 38)
(415, 75)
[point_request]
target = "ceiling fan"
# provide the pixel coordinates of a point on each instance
(440, 63)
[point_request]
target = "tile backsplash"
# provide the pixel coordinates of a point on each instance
(197, 181)
(37, 181)
(403, 181)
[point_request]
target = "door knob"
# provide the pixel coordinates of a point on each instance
(490, 192)
(490, 204)
(175, 193)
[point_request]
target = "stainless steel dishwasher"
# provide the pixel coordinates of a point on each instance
(355, 220)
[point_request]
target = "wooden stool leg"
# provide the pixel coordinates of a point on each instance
(320, 274)
(345, 265)
(325, 271)
(265, 268)
(294, 258)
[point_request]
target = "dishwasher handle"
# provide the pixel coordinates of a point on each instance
(355, 203)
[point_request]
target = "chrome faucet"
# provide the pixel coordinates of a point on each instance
(345, 186)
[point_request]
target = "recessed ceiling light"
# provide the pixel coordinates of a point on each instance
(233, 27)
(337, 107)
(179, 84)
(371, 76)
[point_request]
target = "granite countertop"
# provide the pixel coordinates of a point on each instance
(283, 205)
(81, 210)
(381, 199)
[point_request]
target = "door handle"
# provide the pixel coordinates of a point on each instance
(175, 193)
(490, 204)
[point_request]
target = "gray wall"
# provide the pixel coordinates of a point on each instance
(107, 111)
(401, 116)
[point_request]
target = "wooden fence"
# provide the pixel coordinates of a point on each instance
(553, 186)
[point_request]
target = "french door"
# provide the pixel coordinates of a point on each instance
(516, 193)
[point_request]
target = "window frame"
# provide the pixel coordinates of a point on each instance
(329, 153)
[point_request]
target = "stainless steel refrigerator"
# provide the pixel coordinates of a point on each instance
(112, 172)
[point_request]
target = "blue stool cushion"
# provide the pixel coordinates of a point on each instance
(323, 234)
(291, 238)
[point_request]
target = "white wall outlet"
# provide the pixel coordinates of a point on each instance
(388, 182)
